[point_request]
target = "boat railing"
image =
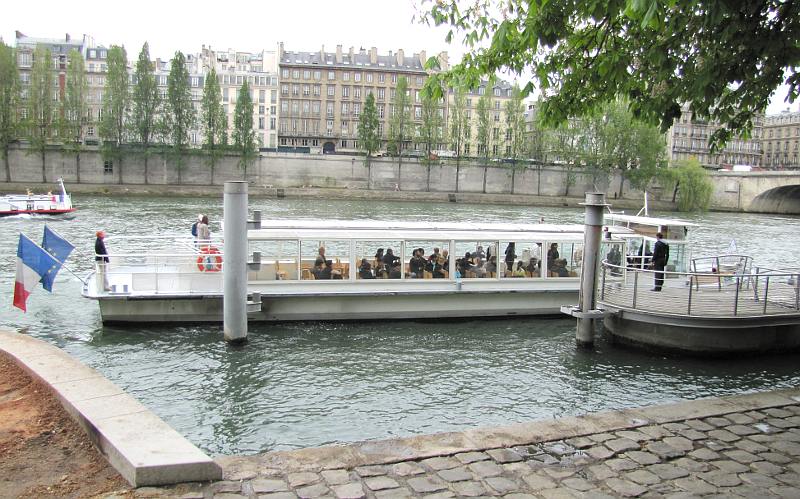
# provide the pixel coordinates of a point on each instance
(700, 293)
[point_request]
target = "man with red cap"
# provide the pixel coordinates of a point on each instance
(101, 259)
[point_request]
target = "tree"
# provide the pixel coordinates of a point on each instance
(484, 131)
(515, 131)
(40, 110)
(116, 104)
(724, 59)
(460, 127)
(400, 124)
(9, 100)
(368, 136)
(213, 121)
(244, 137)
(565, 145)
(429, 131)
(179, 116)
(146, 101)
(692, 183)
(73, 107)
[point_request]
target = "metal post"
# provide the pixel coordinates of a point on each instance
(593, 229)
(766, 294)
(736, 299)
(689, 305)
(234, 269)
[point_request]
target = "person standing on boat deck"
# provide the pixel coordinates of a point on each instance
(511, 255)
(194, 227)
(101, 259)
(552, 256)
(203, 232)
(660, 258)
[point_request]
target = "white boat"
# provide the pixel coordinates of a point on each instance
(37, 204)
(176, 279)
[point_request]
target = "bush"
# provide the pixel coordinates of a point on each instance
(694, 187)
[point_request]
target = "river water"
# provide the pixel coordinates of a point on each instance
(308, 384)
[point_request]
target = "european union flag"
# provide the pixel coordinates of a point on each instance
(60, 248)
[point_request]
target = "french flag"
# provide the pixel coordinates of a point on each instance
(33, 263)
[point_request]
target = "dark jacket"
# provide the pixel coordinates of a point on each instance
(100, 250)
(660, 253)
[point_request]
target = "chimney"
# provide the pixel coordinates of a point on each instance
(373, 55)
(338, 54)
(322, 54)
(423, 56)
(351, 55)
(444, 61)
(18, 34)
(280, 50)
(400, 57)
(66, 38)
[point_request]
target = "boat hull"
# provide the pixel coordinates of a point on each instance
(340, 307)
(10, 213)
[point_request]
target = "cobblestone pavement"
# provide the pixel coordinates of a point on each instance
(746, 446)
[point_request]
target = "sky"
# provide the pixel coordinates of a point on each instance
(302, 25)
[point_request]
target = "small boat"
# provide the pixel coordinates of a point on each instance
(37, 204)
(178, 279)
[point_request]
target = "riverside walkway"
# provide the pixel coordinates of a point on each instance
(741, 446)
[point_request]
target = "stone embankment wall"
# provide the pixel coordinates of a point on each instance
(337, 176)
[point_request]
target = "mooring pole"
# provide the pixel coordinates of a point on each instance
(593, 229)
(234, 268)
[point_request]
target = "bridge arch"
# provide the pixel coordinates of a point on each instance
(784, 199)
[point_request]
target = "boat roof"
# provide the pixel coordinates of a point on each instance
(429, 230)
(646, 220)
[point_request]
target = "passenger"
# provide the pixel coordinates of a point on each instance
(533, 266)
(101, 260)
(614, 257)
(441, 266)
(365, 270)
(511, 255)
(552, 256)
(519, 271)
(378, 258)
(491, 251)
(478, 256)
(394, 273)
(561, 268)
(491, 265)
(464, 264)
(389, 259)
(203, 232)
(322, 266)
(416, 266)
(434, 256)
(194, 227)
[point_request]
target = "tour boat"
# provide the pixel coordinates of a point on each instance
(37, 204)
(178, 279)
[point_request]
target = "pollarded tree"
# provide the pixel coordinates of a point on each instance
(725, 59)
(368, 137)
(41, 98)
(116, 104)
(146, 101)
(400, 123)
(691, 183)
(244, 137)
(429, 131)
(213, 121)
(460, 127)
(179, 115)
(73, 107)
(9, 100)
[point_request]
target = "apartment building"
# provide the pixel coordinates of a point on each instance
(781, 140)
(322, 94)
(499, 144)
(260, 70)
(688, 138)
(196, 81)
(96, 72)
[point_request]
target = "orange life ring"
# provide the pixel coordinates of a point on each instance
(209, 260)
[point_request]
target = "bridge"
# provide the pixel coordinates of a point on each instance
(757, 192)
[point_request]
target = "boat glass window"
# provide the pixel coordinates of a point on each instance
(426, 259)
(564, 259)
(520, 259)
(378, 259)
(471, 258)
(325, 260)
(278, 260)
(612, 253)
(640, 252)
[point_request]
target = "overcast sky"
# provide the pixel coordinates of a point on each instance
(247, 26)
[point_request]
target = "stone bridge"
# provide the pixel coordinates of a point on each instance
(757, 192)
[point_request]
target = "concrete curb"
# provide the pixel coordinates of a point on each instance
(481, 439)
(142, 447)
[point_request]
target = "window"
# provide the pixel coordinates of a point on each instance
(381, 93)
(108, 166)
(417, 112)
(392, 93)
(315, 107)
(272, 123)
(296, 90)
(345, 128)
(194, 81)
(331, 75)
(273, 96)
(261, 123)
(295, 107)
(329, 110)
(369, 77)
(346, 76)
(356, 92)
(284, 106)
(317, 90)
(394, 78)
(90, 131)
(344, 108)
(295, 73)
(306, 90)
(307, 74)
(284, 73)
(284, 90)
(261, 109)
(497, 105)
(356, 76)
(416, 95)
(481, 90)
(345, 92)
(262, 97)
(497, 92)
(306, 106)
(380, 110)
(239, 80)
(356, 109)
(331, 90)
(272, 110)
(317, 75)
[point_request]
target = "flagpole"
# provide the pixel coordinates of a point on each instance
(73, 273)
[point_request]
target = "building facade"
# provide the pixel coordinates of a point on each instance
(322, 94)
(688, 138)
(781, 140)
(499, 140)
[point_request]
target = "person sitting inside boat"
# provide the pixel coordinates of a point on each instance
(561, 268)
(416, 266)
(491, 265)
(464, 264)
(365, 270)
(322, 266)
(478, 256)
(533, 266)
(394, 273)
(519, 271)
(441, 265)
(389, 259)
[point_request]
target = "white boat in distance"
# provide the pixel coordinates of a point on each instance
(464, 270)
(37, 204)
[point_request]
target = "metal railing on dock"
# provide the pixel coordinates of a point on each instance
(725, 290)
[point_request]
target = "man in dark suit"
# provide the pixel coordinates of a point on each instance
(660, 258)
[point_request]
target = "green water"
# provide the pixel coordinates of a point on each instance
(307, 384)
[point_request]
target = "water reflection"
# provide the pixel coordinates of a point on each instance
(303, 384)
